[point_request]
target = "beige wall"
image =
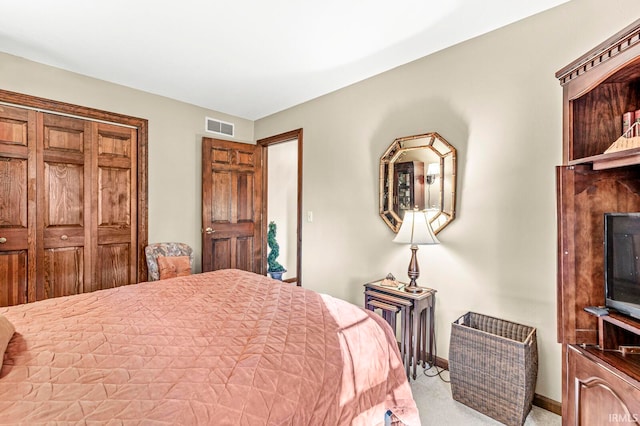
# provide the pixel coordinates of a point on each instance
(175, 139)
(496, 99)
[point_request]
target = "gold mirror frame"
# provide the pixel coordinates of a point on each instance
(410, 169)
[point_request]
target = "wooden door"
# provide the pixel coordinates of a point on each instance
(17, 204)
(584, 196)
(115, 205)
(231, 206)
(64, 206)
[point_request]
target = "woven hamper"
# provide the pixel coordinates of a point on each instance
(493, 365)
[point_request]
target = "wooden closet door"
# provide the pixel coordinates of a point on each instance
(64, 206)
(115, 203)
(17, 204)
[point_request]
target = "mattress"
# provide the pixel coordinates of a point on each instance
(224, 348)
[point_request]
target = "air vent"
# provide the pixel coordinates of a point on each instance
(217, 126)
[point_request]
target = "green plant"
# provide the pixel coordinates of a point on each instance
(272, 263)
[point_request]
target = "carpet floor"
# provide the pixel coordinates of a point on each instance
(438, 408)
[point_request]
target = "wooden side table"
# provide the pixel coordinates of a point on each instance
(417, 312)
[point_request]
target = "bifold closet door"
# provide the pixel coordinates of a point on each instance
(64, 206)
(115, 203)
(87, 195)
(17, 204)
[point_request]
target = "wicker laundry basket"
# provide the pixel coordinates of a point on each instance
(493, 366)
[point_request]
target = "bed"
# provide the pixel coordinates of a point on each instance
(225, 348)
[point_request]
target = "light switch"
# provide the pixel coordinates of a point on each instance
(309, 216)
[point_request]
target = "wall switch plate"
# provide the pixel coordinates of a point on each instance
(309, 216)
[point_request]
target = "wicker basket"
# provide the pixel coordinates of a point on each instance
(493, 366)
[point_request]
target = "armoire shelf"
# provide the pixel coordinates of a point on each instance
(629, 157)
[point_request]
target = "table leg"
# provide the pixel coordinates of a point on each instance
(415, 329)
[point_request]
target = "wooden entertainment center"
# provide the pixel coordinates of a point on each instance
(600, 384)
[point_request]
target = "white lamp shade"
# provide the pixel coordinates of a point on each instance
(433, 169)
(415, 229)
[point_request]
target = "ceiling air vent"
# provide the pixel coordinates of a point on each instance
(216, 126)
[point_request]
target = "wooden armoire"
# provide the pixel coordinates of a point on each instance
(73, 199)
(600, 384)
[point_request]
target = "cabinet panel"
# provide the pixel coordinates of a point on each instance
(599, 395)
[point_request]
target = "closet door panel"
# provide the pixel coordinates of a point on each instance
(64, 206)
(13, 276)
(116, 200)
(64, 271)
(17, 204)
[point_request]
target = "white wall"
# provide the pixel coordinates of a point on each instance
(175, 139)
(496, 99)
(282, 183)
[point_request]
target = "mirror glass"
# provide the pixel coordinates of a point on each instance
(418, 171)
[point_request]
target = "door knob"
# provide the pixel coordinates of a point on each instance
(3, 240)
(209, 231)
(64, 238)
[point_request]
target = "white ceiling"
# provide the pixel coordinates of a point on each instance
(249, 58)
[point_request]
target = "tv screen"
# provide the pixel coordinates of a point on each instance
(622, 262)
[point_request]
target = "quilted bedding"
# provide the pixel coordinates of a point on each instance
(224, 348)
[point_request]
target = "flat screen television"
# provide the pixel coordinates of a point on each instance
(622, 262)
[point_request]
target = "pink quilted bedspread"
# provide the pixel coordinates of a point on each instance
(223, 348)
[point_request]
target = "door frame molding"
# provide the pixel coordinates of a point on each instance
(142, 126)
(264, 144)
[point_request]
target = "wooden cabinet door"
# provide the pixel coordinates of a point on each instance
(598, 394)
(115, 205)
(17, 204)
(64, 206)
(231, 206)
(584, 196)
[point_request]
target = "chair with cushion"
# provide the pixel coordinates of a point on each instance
(168, 260)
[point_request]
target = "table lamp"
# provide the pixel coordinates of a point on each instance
(415, 230)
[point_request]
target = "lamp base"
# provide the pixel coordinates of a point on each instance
(413, 289)
(413, 272)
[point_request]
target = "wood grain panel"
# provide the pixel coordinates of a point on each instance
(244, 254)
(13, 277)
(114, 265)
(13, 192)
(245, 158)
(63, 271)
(221, 253)
(598, 117)
(244, 199)
(220, 156)
(64, 194)
(221, 196)
(114, 144)
(114, 197)
(13, 132)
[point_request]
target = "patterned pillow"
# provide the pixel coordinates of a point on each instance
(6, 332)
(173, 266)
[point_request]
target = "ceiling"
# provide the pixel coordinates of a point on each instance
(248, 58)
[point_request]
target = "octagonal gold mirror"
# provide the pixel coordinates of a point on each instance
(418, 172)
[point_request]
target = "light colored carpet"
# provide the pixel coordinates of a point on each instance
(438, 408)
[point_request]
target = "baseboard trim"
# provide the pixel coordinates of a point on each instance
(538, 400)
(547, 403)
